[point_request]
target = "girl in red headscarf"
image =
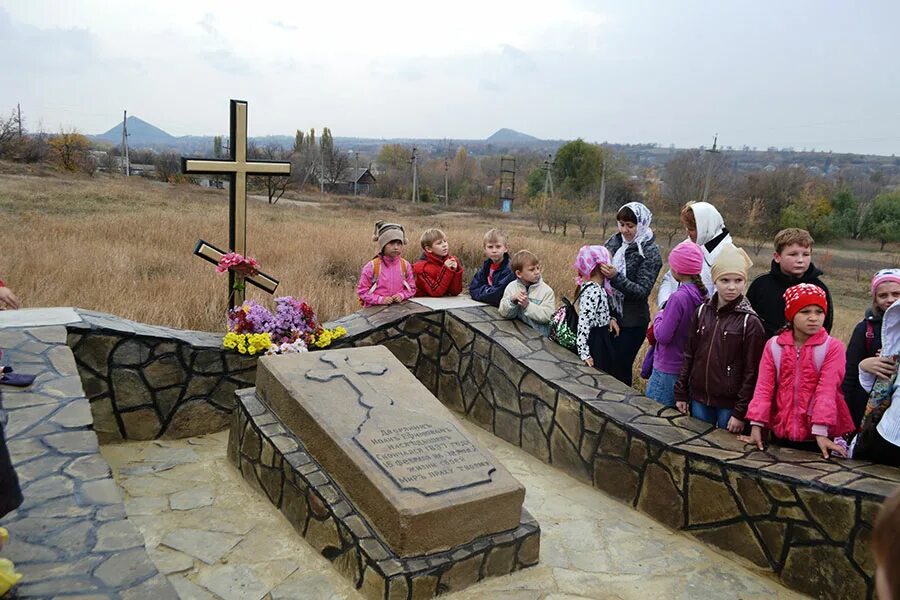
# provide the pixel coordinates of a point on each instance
(798, 393)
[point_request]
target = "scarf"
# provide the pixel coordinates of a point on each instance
(643, 234)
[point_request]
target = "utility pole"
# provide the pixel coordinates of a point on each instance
(19, 117)
(126, 165)
(709, 160)
(548, 180)
(415, 183)
(356, 175)
(446, 183)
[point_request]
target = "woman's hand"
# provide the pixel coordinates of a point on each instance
(756, 437)
(882, 367)
(608, 271)
(827, 446)
(614, 327)
(735, 425)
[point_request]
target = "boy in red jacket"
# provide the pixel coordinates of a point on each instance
(438, 273)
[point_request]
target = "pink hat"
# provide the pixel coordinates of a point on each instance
(587, 260)
(883, 276)
(686, 258)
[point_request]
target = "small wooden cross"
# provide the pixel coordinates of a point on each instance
(236, 168)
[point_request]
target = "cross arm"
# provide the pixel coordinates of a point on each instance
(210, 253)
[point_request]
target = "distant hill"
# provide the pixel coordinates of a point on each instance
(511, 136)
(140, 133)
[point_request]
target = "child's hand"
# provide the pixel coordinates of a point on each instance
(450, 264)
(827, 446)
(882, 367)
(756, 437)
(682, 407)
(614, 327)
(397, 298)
(735, 425)
(589, 361)
(522, 299)
(387, 300)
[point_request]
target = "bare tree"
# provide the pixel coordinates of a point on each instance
(274, 186)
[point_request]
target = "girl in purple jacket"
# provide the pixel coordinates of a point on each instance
(672, 326)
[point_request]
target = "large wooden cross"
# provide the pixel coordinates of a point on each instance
(236, 168)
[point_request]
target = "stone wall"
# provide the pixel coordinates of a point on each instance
(146, 382)
(275, 462)
(802, 518)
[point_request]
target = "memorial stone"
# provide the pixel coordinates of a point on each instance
(395, 450)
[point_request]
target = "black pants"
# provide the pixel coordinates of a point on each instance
(626, 347)
(871, 446)
(10, 494)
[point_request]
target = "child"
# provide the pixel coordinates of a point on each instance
(494, 275)
(798, 394)
(672, 326)
(598, 321)
(879, 436)
(706, 228)
(528, 298)
(792, 264)
(635, 265)
(387, 278)
(886, 549)
(438, 273)
(865, 342)
(722, 354)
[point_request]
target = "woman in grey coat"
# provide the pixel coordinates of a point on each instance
(635, 266)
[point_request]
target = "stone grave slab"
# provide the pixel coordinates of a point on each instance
(395, 450)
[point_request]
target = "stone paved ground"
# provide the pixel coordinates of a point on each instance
(215, 537)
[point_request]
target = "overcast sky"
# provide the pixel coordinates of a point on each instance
(814, 74)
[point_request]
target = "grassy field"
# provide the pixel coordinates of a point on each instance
(124, 246)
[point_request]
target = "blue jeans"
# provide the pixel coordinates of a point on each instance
(661, 387)
(715, 416)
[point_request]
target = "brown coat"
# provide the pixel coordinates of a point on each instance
(722, 356)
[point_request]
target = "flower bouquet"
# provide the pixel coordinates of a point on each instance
(292, 327)
(243, 267)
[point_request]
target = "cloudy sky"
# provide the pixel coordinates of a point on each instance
(808, 74)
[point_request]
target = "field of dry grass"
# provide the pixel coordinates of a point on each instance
(124, 247)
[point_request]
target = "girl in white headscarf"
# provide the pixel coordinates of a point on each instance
(632, 274)
(706, 228)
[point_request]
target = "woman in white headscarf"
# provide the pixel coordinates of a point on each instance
(635, 265)
(706, 228)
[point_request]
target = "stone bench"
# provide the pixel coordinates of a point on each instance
(804, 519)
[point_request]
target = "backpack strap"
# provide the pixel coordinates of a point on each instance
(376, 271)
(819, 354)
(404, 269)
(870, 336)
(776, 350)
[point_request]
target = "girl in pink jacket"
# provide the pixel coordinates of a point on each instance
(798, 393)
(388, 278)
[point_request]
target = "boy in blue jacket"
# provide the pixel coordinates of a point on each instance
(492, 278)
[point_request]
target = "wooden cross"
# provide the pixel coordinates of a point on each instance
(353, 372)
(236, 168)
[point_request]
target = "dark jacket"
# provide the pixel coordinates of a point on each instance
(10, 494)
(766, 296)
(434, 279)
(854, 394)
(721, 359)
(491, 293)
(640, 277)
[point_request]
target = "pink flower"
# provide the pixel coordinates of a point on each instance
(233, 261)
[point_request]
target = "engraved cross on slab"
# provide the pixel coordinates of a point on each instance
(352, 371)
(236, 167)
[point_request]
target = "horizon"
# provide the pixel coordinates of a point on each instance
(808, 75)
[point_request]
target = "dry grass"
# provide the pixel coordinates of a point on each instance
(124, 247)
